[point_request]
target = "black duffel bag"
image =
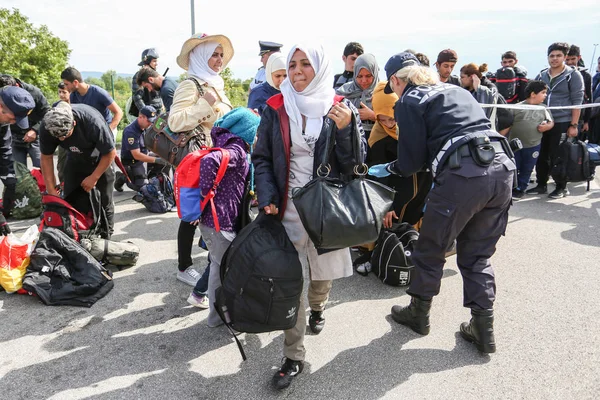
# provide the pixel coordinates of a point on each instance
(338, 214)
(174, 146)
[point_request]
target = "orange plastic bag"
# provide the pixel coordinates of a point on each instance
(14, 258)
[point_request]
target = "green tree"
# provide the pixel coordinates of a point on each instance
(32, 54)
(95, 81)
(234, 89)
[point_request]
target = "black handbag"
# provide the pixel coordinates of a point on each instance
(174, 146)
(338, 214)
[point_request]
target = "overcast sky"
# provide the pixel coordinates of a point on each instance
(108, 34)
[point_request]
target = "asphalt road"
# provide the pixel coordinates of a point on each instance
(143, 341)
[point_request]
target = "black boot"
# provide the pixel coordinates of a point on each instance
(120, 180)
(415, 315)
(480, 330)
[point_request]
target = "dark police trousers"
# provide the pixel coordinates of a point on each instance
(76, 170)
(469, 204)
(137, 175)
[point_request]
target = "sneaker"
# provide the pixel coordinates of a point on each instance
(364, 268)
(198, 301)
(539, 189)
(517, 194)
(286, 373)
(559, 193)
(316, 322)
(189, 276)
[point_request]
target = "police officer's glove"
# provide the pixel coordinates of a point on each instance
(380, 170)
(160, 161)
(4, 227)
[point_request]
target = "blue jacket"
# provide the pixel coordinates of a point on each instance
(259, 96)
(271, 156)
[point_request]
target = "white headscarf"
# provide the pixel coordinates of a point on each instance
(316, 99)
(199, 65)
(275, 63)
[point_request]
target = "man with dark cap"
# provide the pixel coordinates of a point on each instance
(83, 132)
(15, 106)
(266, 49)
(134, 153)
(445, 63)
(445, 130)
(26, 141)
(141, 96)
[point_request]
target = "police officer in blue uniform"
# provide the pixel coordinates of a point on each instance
(134, 153)
(15, 106)
(266, 49)
(443, 128)
(142, 96)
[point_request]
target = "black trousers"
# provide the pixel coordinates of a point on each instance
(549, 153)
(185, 241)
(411, 191)
(137, 175)
(468, 204)
(76, 170)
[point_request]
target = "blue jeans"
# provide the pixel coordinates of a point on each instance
(202, 285)
(526, 160)
(33, 150)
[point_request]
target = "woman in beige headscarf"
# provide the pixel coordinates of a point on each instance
(204, 58)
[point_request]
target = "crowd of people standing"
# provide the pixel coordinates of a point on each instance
(422, 132)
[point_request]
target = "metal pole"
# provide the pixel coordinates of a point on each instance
(593, 61)
(193, 18)
(112, 85)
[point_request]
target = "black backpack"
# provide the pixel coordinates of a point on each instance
(506, 82)
(391, 259)
(261, 278)
(573, 163)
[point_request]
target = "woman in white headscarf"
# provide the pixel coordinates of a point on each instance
(203, 57)
(275, 73)
(291, 136)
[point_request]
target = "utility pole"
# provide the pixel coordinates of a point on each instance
(193, 18)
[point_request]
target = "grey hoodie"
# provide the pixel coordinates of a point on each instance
(566, 89)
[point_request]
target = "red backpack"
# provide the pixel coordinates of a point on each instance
(188, 196)
(59, 213)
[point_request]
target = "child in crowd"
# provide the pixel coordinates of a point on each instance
(529, 126)
(234, 132)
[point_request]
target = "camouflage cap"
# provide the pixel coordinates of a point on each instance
(59, 120)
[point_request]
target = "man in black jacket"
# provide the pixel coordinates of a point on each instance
(26, 141)
(15, 105)
(574, 60)
(141, 96)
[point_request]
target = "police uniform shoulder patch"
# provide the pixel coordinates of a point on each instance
(130, 140)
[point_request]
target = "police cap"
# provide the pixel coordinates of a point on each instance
(19, 102)
(266, 47)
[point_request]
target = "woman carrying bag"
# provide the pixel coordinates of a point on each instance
(203, 57)
(291, 142)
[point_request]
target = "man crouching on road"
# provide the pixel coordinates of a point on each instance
(83, 132)
(134, 153)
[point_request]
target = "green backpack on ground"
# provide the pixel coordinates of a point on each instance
(28, 199)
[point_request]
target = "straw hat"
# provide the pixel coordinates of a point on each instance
(183, 59)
